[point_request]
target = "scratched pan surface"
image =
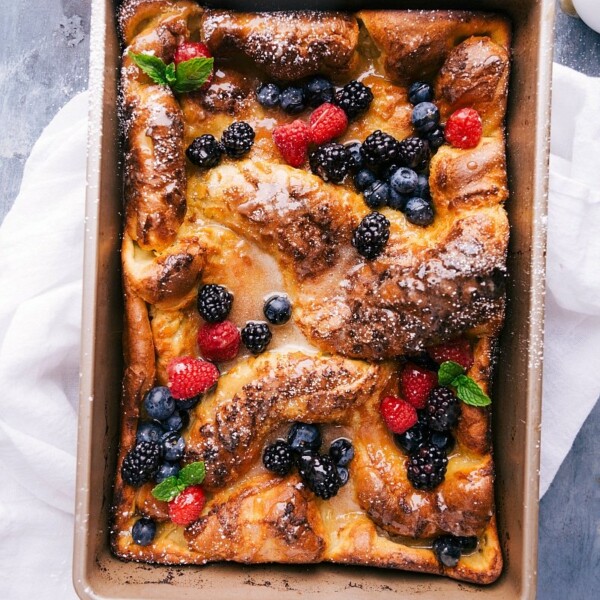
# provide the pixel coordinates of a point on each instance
(516, 419)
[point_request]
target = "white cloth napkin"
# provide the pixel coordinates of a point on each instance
(40, 303)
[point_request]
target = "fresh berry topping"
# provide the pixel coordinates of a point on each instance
(188, 50)
(187, 403)
(404, 180)
(371, 236)
(414, 152)
(356, 158)
(148, 432)
(292, 142)
(422, 189)
(412, 439)
(176, 422)
(219, 342)
(388, 172)
(214, 302)
(377, 194)
(187, 506)
(141, 463)
(327, 122)
(278, 458)
(278, 310)
(320, 475)
(416, 383)
(143, 531)
(464, 128)
(166, 470)
(205, 151)
(159, 403)
(343, 474)
(458, 351)
(426, 467)
(190, 377)
(363, 179)
(419, 92)
(425, 117)
(330, 162)
(442, 409)
(268, 95)
(354, 98)
(397, 201)
(237, 139)
(436, 137)
(443, 440)
(398, 414)
(380, 150)
(341, 452)
(419, 212)
(256, 336)
(304, 436)
(292, 100)
(318, 90)
(173, 446)
(449, 548)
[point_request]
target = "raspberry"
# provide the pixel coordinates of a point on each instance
(292, 142)
(426, 468)
(190, 376)
(399, 415)
(141, 464)
(188, 50)
(354, 98)
(214, 302)
(371, 236)
(326, 123)
(442, 409)
(414, 152)
(237, 139)
(416, 383)
(256, 336)
(219, 341)
(458, 351)
(464, 128)
(187, 507)
(278, 458)
(331, 162)
(380, 150)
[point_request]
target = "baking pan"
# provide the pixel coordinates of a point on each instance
(517, 390)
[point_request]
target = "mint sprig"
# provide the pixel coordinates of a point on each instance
(185, 77)
(467, 389)
(171, 487)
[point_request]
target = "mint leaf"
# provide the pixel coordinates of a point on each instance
(170, 74)
(153, 66)
(469, 392)
(192, 474)
(448, 372)
(168, 489)
(191, 74)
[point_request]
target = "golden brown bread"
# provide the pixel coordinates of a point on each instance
(258, 225)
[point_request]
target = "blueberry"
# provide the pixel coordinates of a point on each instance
(167, 469)
(356, 157)
(413, 438)
(159, 403)
(363, 179)
(343, 474)
(419, 92)
(318, 90)
(176, 422)
(447, 549)
(149, 432)
(404, 180)
(419, 211)
(303, 436)
(173, 446)
(278, 310)
(188, 403)
(377, 194)
(143, 531)
(436, 137)
(292, 100)
(268, 95)
(467, 544)
(443, 440)
(398, 201)
(422, 189)
(388, 172)
(425, 117)
(341, 451)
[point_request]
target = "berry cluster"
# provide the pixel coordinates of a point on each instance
(206, 151)
(323, 474)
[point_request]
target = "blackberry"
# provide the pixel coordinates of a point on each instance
(419, 92)
(371, 236)
(331, 162)
(426, 467)
(449, 548)
(414, 152)
(442, 409)
(268, 95)
(356, 157)
(419, 211)
(318, 90)
(292, 100)
(256, 336)
(354, 98)
(377, 194)
(214, 302)
(141, 464)
(237, 139)
(320, 475)
(205, 151)
(380, 150)
(278, 457)
(341, 451)
(304, 437)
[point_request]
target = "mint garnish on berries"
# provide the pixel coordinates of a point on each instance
(467, 390)
(185, 77)
(171, 487)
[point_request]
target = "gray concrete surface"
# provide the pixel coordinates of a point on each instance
(44, 48)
